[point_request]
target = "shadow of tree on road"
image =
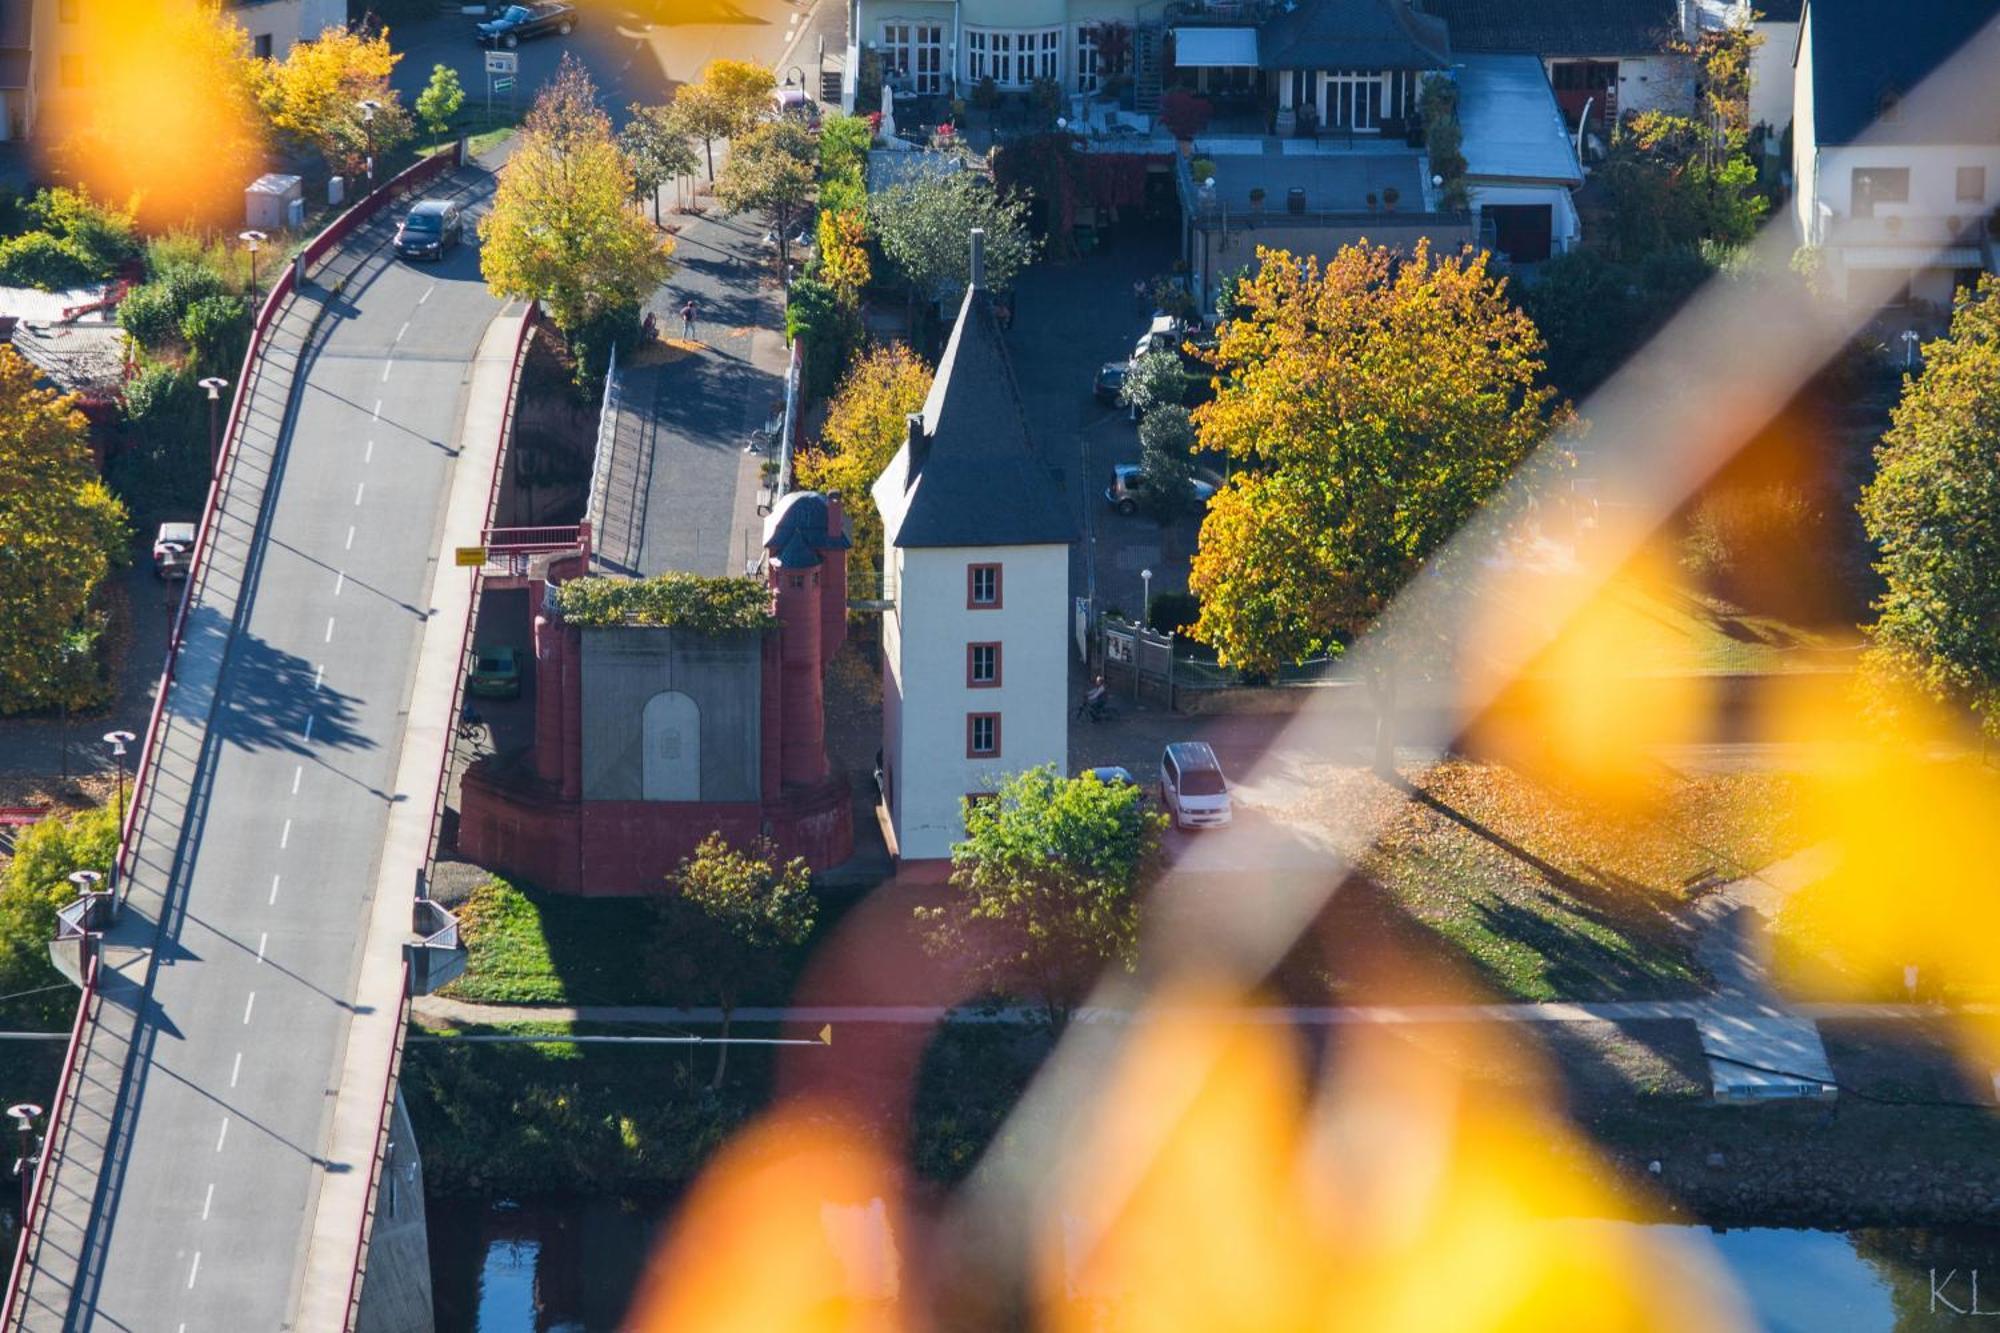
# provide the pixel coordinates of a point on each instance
(269, 696)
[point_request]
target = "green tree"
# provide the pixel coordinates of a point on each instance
(216, 330)
(1933, 512)
(61, 532)
(865, 425)
(699, 112)
(1372, 408)
(1045, 887)
(1166, 456)
(770, 171)
(923, 227)
(1153, 380)
(319, 96)
(440, 101)
(33, 886)
(828, 327)
(1587, 309)
(562, 229)
(657, 150)
(724, 101)
(843, 147)
(732, 916)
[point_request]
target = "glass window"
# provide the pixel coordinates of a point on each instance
(1087, 77)
(982, 735)
(982, 586)
(982, 664)
(1972, 185)
(1879, 185)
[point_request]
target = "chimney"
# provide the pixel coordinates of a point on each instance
(978, 259)
(919, 445)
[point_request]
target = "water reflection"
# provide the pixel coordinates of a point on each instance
(571, 1266)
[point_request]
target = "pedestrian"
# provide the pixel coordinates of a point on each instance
(649, 328)
(687, 320)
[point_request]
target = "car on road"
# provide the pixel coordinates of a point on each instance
(1110, 381)
(1111, 775)
(430, 229)
(1193, 791)
(516, 22)
(495, 674)
(1127, 490)
(793, 104)
(173, 550)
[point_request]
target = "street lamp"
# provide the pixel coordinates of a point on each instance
(1910, 341)
(252, 239)
(118, 740)
(369, 106)
(1145, 596)
(215, 384)
(24, 1115)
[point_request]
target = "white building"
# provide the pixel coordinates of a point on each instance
(1883, 186)
(975, 646)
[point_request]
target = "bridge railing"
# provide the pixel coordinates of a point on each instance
(38, 1200)
(148, 763)
(383, 1122)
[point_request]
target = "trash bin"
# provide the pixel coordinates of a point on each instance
(1295, 199)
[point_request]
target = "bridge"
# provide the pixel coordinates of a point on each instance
(213, 1155)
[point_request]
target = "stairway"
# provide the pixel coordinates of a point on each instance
(1146, 69)
(829, 86)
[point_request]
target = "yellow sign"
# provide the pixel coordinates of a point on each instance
(471, 556)
(826, 1035)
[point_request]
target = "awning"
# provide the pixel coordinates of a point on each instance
(1216, 48)
(1912, 256)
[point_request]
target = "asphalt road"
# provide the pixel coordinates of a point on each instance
(250, 997)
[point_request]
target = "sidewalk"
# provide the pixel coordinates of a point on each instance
(678, 491)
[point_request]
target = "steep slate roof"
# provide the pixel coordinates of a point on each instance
(1559, 27)
(972, 477)
(1862, 60)
(1350, 34)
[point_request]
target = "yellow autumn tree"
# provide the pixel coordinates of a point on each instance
(564, 229)
(1371, 408)
(166, 118)
(332, 95)
(864, 428)
(61, 531)
(843, 253)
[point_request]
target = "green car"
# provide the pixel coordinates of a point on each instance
(496, 674)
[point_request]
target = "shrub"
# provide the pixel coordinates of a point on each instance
(165, 464)
(986, 94)
(103, 236)
(814, 314)
(37, 259)
(698, 603)
(1173, 612)
(155, 313)
(843, 148)
(1738, 538)
(216, 330)
(1184, 114)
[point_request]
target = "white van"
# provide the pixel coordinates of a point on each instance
(1192, 788)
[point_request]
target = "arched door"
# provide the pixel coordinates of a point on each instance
(672, 726)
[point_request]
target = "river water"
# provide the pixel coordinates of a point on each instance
(571, 1265)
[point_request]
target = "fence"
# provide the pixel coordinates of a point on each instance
(381, 1154)
(38, 1197)
(596, 507)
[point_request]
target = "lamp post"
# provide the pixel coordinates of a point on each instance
(1145, 616)
(118, 740)
(215, 384)
(251, 240)
(1910, 341)
(369, 106)
(24, 1115)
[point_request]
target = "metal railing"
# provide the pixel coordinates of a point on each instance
(379, 1157)
(37, 1205)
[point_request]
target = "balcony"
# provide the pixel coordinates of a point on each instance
(1192, 13)
(1914, 232)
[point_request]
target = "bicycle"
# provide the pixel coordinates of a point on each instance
(472, 727)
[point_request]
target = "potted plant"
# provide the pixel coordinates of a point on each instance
(1389, 198)
(1202, 169)
(1256, 199)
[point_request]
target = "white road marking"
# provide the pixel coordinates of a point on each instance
(297, 773)
(249, 1003)
(283, 838)
(339, 581)
(359, 487)
(405, 329)
(377, 414)
(236, 1069)
(329, 630)
(222, 1135)
(368, 454)
(388, 366)
(193, 1269)
(350, 537)
(272, 901)
(263, 938)
(309, 726)
(425, 297)
(319, 674)
(207, 1202)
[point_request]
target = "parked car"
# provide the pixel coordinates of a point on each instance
(1192, 789)
(793, 104)
(1110, 379)
(1111, 775)
(516, 22)
(173, 550)
(430, 229)
(495, 674)
(1127, 490)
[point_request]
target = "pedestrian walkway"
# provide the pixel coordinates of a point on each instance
(677, 487)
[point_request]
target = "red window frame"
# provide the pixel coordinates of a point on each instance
(972, 721)
(972, 680)
(972, 602)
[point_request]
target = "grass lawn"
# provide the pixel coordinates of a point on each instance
(536, 948)
(1540, 894)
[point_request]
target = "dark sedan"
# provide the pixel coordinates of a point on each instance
(516, 22)
(433, 227)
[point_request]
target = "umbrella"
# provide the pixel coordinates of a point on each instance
(888, 112)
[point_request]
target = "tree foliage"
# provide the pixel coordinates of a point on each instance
(1372, 408)
(770, 171)
(658, 151)
(314, 96)
(732, 915)
(725, 100)
(865, 425)
(34, 884)
(1166, 457)
(440, 101)
(1933, 511)
(1045, 887)
(698, 603)
(841, 254)
(61, 532)
(563, 229)
(1153, 380)
(923, 226)
(844, 141)
(828, 327)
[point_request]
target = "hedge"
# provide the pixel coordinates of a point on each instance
(694, 602)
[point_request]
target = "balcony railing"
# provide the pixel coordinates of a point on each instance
(1936, 232)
